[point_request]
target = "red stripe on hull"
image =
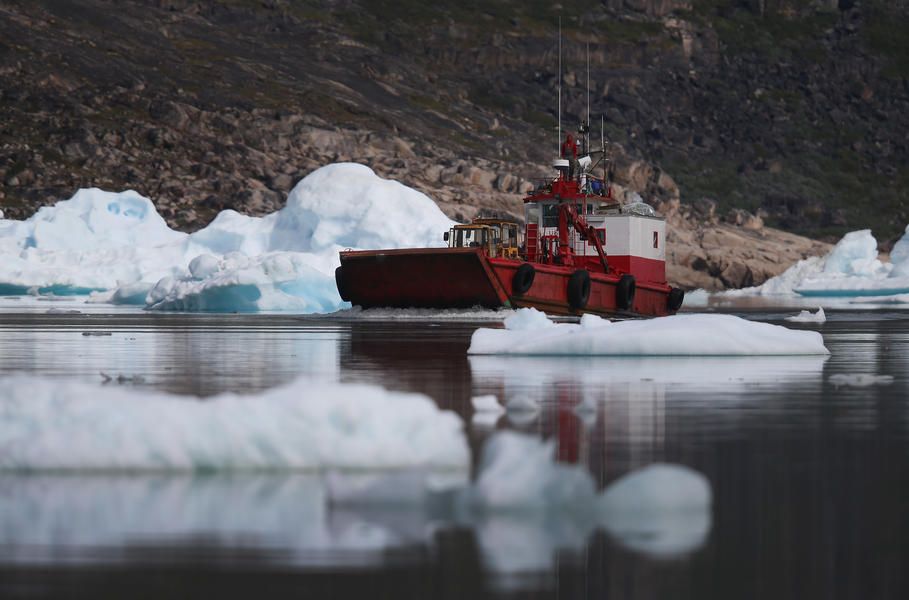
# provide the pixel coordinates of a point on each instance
(643, 269)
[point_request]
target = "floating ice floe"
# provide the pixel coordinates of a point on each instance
(530, 332)
(860, 380)
(488, 403)
(806, 316)
(51, 425)
(117, 246)
(852, 268)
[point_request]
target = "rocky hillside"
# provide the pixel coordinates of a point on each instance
(733, 117)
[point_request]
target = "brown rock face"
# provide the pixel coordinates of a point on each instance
(203, 106)
(715, 256)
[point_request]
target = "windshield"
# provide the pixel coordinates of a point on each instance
(468, 238)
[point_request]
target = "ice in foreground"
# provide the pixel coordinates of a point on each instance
(530, 332)
(350, 519)
(852, 268)
(807, 316)
(117, 246)
(52, 425)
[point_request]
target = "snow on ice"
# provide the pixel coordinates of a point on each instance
(530, 332)
(117, 246)
(806, 316)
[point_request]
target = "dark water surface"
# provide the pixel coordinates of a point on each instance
(810, 477)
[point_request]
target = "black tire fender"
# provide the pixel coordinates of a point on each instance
(522, 280)
(675, 299)
(624, 292)
(579, 289)
(339, 281)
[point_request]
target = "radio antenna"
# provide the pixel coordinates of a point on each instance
(603, 144)
(559, 141)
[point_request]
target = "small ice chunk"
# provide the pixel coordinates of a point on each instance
(589, 321)
(859, 380)
(697, 298)
(807, 316)
(527, 319)
(488, 403)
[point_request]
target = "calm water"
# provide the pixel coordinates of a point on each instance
(810, 479)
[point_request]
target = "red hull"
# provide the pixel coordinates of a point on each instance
(466, 277)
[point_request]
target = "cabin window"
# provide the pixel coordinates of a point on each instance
(601, 233)
(656, 239)
(532, 213)
(550, 215)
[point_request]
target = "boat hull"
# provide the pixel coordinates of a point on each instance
(466, 277)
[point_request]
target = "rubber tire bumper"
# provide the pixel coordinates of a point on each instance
(523, 279)
(676, 297)
(339, 281)
(624, 292)
(578, 289)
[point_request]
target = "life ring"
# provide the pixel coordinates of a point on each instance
(339, 281)
(579, 289)
(624, 292)
(523, 279)
(676, 297)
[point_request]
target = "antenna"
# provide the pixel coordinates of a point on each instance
(588, 85)
(603, 143)
(559, 141)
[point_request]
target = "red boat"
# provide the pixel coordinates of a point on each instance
(580, 251)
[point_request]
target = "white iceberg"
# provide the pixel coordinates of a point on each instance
(852, 268)
(806, 316)
(117, 246)
(531, 333)
(53, 425)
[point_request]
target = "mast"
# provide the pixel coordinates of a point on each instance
(587, 134)
(559, 141)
